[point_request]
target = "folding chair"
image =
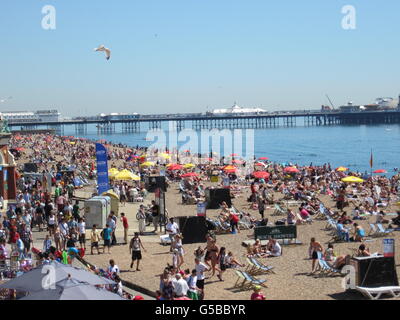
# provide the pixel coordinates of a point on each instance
(251, 281)
(384, 231)
(262, 267)
(373, 232)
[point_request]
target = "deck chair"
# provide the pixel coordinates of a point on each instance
(278, 210)
(375, 293)
(328, 269)
(384, 231)
(251, 267)
(373, 232)
(251, 281)
(240, 284)
(262, 268)
(321, 213)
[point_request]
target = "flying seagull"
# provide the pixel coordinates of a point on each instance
(106, 50)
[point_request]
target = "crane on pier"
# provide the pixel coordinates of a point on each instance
(333, 108)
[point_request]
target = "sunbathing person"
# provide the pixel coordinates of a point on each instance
(274, 248)
(344, 219)
(339, 262)
(363, 251)
(231, 261)
(359, 233)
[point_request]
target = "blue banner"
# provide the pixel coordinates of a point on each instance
(102, 169)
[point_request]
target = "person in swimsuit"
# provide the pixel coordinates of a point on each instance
(314, 248)
(212, 254)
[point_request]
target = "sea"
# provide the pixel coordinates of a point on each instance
(350, 146)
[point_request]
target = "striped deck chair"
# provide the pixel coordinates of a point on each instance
(278, 210)
(262, 268)
(384, 231)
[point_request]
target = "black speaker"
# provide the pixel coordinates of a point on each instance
(193, 229)
(155, 182)
(214, 198)
(30, 167)
(373, 272)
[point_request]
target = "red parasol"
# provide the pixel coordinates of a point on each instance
(380, 171)
(263, 158)
(237, 161)
(175, 167)
(291, 170)
(189, 174)
(261, 175)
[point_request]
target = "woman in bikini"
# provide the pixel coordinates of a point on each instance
(211, 254)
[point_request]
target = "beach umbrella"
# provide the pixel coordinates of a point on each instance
(342, 169)
(112, 175)
(263, 158)
(352, 179)
(189, 166)
(237, 161)
(261, 175)
(70, 289)
(380, 171)
(32, 281)
(175, 167)
(147, 164)
(291, 170)
(126, 175)
(259, 164)
(189, 175)
(165, 156)
(229, 167)
(234, 155)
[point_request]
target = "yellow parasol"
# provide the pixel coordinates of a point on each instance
(342, 169)
(147, 164)
(352, 179)
(112, 173)
(189, 166)
(165, 155)
(126, 175)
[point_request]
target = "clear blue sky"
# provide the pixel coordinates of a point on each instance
(187, 55)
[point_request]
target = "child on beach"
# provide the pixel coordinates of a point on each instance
(257, 294)
(199, 253)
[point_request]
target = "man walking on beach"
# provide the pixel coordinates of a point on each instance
(135, 246)
(107, 231)
(126, 227)
(172, 229)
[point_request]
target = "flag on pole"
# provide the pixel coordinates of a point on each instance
(371, 160)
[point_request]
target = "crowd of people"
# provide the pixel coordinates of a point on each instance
(46, 203)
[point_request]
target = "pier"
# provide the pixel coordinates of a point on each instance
(224, 121)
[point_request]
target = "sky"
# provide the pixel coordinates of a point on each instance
(192, 56)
